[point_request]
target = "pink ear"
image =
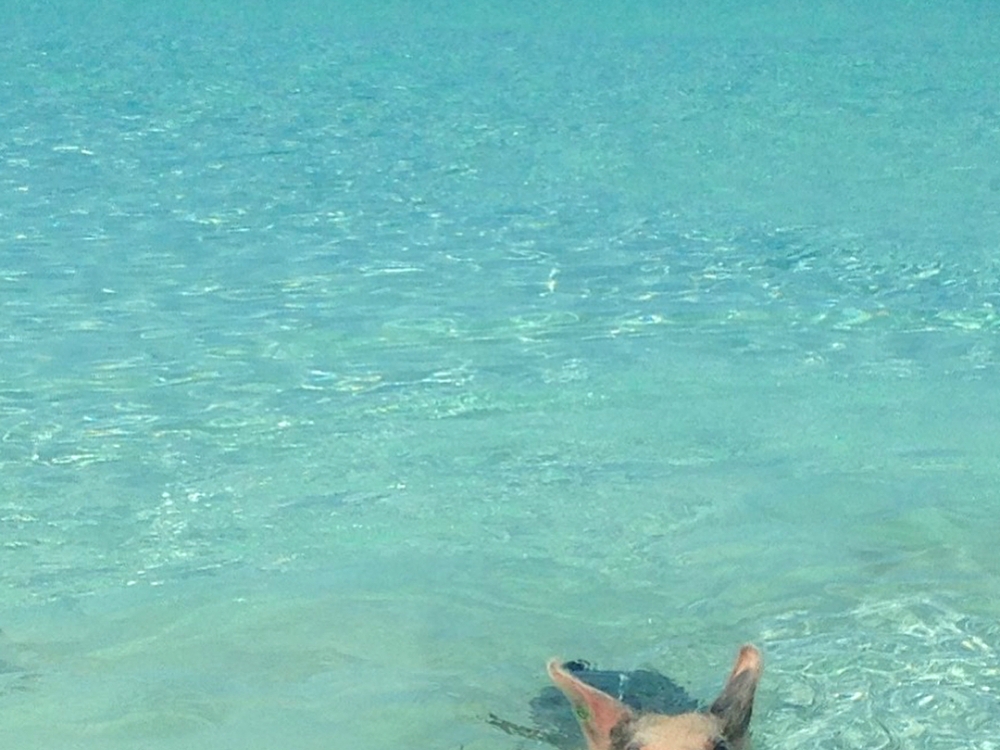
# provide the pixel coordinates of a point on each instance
(735, 703)
(597, 712)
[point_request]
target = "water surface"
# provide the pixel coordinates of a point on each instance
(354, 363)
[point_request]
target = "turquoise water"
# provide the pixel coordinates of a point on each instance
(354, 363)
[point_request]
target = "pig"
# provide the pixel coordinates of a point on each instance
(608, 724)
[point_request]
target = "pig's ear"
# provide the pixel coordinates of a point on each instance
(734, 705)
(597, 712)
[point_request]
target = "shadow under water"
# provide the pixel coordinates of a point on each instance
(553, 721)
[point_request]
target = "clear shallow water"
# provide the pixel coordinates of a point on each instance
(352, 370)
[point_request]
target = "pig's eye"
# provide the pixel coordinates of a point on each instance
(720, 745)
